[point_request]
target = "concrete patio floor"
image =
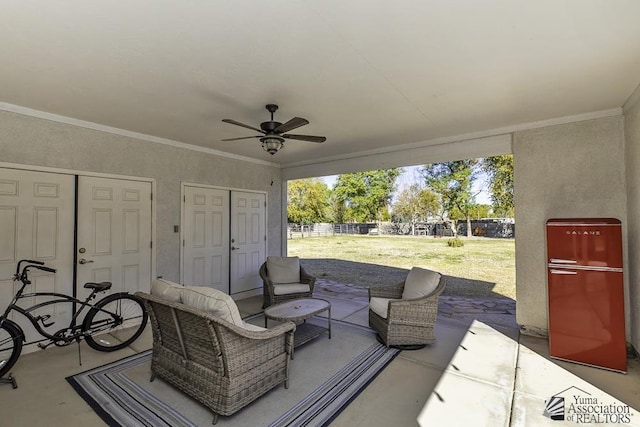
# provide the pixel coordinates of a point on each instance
(480, 372)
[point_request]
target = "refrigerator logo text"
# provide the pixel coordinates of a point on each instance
(582, 233)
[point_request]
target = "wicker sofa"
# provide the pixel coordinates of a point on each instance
(284, 279)
(216, 362)
(405, 314)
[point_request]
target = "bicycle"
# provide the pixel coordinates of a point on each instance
(111, 323)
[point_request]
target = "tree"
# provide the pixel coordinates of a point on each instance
(307, 201)
(337, 209)
(499, 169)
(415, 204)
(453, 182)
(365, 195)
(481, 211)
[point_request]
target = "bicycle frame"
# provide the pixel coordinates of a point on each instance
(73, 331)
(36, 320)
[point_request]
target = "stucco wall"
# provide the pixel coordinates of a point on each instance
(632, 156)
(33, 141)
(571, 170)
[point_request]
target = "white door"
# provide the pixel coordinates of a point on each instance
(248, 240)
(114, 234)
(205, 259)
(36, 222)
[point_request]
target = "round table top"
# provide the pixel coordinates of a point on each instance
(297, 309)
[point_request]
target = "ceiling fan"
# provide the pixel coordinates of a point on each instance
(273, 133)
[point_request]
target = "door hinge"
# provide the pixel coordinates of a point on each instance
(182, 242)
(152, 196)
(184, 199)
(151, 245)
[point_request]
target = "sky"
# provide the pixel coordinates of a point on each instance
(411, 175)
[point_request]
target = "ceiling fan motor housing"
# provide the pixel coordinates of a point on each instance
(269, 126)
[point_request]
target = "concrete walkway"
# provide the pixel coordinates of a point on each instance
(481, 372)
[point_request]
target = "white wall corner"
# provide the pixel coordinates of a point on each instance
(632, 101)
(283, 219)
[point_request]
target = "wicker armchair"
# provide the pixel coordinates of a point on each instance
(276, 293)
(221, 365)
(410, 321)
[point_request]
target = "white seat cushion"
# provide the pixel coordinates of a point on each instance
(167, 290)
(213, 301)
(380, 305)
(290, 288)
(283, 269)
(420, 282)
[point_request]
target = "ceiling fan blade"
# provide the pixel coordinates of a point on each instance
(292, 124)
(308, 138)
(233, 122)
(244, 137)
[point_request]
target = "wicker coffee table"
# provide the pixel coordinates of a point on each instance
(300, 310)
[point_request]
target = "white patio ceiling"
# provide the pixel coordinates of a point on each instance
(368, 74)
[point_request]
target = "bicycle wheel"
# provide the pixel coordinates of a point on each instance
(115, 322)
(10, 346)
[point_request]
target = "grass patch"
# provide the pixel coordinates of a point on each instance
(456, 242)
(482, 267)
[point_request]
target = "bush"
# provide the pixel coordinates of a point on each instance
(455, 242)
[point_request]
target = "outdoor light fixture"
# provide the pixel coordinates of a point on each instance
(274, 133)
(272, 144)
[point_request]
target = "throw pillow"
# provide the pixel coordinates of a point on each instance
(283, 269)
(420, 282)
(166, 289)
(213, 301)
(290, 288)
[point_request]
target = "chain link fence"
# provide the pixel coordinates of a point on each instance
(491, 227)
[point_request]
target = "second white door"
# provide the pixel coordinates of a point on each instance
(248, 240)
(114, 233)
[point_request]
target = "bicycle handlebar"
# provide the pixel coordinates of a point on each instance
(32, 263)
(29, 261)
(43, 268)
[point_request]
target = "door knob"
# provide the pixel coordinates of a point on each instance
(234, 248)
(84, 261)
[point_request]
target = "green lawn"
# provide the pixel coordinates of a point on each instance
(482, 267)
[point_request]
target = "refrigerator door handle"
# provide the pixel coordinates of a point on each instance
(569, 272)
(562, 261)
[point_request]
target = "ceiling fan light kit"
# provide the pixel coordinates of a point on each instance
(272, 144)
(274, 132)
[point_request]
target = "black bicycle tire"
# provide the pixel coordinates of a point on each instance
(96, 309)
(16, 336)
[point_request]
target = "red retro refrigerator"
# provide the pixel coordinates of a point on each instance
(586, 295)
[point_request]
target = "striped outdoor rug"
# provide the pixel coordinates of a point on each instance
(325, 376)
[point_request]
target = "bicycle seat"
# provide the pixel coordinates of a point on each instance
(99, 287)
